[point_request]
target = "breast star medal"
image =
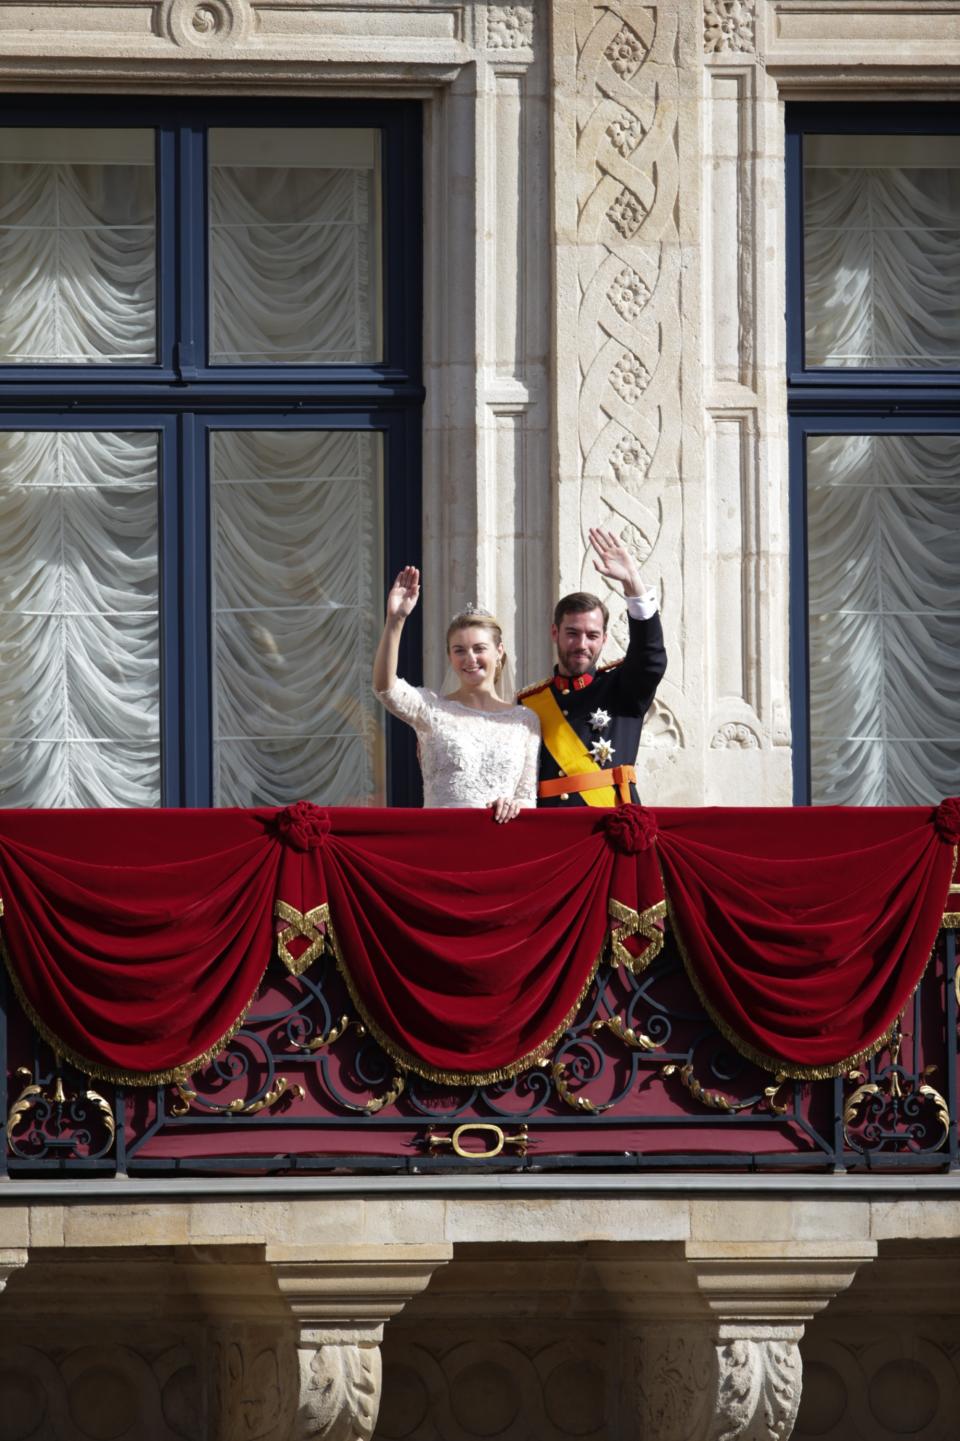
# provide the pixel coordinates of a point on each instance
(599, 720)
(602, 752)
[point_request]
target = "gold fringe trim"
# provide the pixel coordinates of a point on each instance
(408, 1062)
(950, 921)
(111, 1073)
(789, 1069)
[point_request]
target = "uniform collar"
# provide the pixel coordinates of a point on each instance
(564, 683)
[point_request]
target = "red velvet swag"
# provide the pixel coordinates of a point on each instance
(137, 939)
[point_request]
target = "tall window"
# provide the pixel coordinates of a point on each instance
(209, 460)
(874, 355)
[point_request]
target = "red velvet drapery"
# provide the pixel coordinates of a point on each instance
(136, 940)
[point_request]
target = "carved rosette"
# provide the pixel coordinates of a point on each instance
(339, 1392)
(202, 24)
(509, 27)
(629, 320)
(728, 26)
(734, 735)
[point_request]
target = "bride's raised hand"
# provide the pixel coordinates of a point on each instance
(404, 593)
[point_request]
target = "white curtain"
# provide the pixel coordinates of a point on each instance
(293, 249)
(77, 251)
(884, 561)
(297, 519)
(79, 633)
(882, 260)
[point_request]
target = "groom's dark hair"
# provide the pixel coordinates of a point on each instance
(576, 603)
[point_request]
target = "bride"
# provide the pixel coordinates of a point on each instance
(475, 747)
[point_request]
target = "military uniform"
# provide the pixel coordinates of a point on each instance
(590, 724)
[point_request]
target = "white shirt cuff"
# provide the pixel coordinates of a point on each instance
(642, 607)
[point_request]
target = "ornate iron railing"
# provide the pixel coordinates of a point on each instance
(642, 1079)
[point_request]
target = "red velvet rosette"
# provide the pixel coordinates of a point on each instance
(630, 829)
(946, 820)
(303, 826)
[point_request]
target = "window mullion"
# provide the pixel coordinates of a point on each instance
(171, 684)
(191, 223)
(195, 639)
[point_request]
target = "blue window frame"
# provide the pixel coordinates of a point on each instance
(183, 397)
(825, 400)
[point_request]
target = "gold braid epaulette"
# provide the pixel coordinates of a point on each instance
(537, 686)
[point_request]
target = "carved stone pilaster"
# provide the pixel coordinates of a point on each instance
(341, 1302)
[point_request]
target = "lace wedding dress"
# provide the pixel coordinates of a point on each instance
(468, 757)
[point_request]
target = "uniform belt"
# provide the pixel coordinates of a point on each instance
(619, 776)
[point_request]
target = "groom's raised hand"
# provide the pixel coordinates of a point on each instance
(614, 561)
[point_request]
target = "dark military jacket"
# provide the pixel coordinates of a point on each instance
(624, 691)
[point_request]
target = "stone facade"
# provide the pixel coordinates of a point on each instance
(603, 342)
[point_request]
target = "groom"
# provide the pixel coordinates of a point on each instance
(591, 718)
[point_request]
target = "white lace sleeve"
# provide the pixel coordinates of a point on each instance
(406, 702)
(526, 792)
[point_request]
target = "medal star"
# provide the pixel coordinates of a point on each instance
(599, 720)
(602, 752)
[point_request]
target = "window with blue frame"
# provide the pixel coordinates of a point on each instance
(873, 328)
(210, 384)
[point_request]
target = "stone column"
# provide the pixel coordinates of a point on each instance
(730, 1370)
(341, 1301)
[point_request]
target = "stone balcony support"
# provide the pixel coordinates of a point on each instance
(10, 1261)
(722, 1362)
(341, 1301)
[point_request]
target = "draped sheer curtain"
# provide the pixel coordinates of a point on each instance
(79, 630)
(882, 276)
(77, 247)
(297, 525)
(882, 251)
(884, 547)
(294, 258)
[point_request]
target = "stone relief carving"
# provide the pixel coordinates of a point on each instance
(509, 27)
(628, 321)
(661, 730)
(757, 1390)
(206, 23)
(253, 1386)
(96, 1391)
(735, 736)
(728, 25)
(673, 1379)
(625, 132)
(339, 1392)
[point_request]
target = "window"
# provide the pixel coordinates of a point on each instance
(210, 383)
(874, 400)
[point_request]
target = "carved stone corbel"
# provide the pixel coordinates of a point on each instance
(761, 1296)
(723, 1361)
(341, 1302)
(11, 1260)
(339, 1390)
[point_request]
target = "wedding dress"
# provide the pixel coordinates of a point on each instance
(468, 757)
